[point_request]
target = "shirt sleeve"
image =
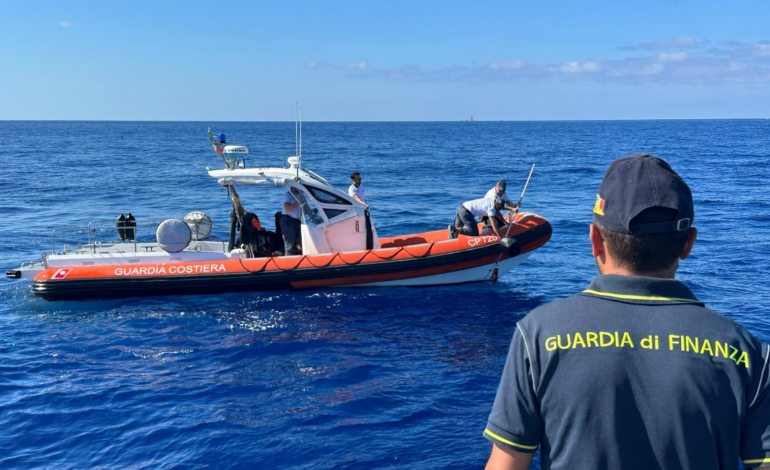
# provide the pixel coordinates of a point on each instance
(490, 208)
(755, 435)
(515, 418)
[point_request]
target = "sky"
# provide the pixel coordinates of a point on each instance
(415, 60)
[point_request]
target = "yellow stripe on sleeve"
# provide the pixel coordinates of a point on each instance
(746, 462)
(506, 441)
(638, 297)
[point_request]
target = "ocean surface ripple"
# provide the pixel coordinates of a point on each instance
(339, 378)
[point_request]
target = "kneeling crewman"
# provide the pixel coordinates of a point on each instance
(465, 217)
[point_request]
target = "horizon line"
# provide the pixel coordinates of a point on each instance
(394, 121)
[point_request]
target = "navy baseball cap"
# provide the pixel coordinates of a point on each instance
(501, 185)
(637, 182)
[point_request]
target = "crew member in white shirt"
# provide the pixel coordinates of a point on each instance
(356, 191)
(465, 218)
(499, 192)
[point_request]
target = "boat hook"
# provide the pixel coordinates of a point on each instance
(493, 277)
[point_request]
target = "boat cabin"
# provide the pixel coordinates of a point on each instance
(331, 220)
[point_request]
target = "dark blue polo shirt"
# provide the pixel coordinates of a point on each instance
(634, 372)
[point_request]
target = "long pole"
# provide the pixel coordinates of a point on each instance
(518, 204)
(526, 184)
(493, 270)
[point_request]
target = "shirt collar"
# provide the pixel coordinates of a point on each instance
(641, 290)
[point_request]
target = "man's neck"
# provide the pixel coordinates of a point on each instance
(612, 268)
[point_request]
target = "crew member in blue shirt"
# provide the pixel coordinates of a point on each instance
(634, 372)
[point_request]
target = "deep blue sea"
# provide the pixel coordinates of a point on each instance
(339, 378)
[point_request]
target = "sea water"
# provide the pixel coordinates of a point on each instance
(335, 378)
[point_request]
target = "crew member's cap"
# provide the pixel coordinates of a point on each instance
(501, 185)
(637, 182)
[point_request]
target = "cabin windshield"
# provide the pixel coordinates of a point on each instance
(315, 176)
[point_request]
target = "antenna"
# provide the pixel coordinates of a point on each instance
(299, 161)
(300, 135)
(296, 141)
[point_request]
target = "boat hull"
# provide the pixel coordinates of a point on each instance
(477, 274)
(398, 263)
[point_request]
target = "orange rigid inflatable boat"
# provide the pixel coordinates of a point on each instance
(339, 242)
(431, 260)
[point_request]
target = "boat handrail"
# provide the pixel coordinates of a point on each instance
(95, 226)
(92, 228)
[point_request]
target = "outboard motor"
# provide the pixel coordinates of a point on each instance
(228, 153)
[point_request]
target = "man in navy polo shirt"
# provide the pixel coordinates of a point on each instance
(634, 372)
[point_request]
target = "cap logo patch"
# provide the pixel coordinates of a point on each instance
(599, 206)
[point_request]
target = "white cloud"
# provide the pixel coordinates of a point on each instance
(64, 24)
(578, 67)
(743, 63)
(506, 65)
(762, 50)
(319, 65)
(673, 57)
(677, 42)
(645, 69)
(357, 65)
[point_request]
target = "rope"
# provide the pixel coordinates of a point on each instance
(327, 264)
(336, 255)
(258, 270)
(494, 266)
(427, 251)
(400, 249)
(227, 229)
(355, 262)
(272, 258)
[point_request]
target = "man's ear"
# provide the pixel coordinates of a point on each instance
(691, 236)
(597, 242)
